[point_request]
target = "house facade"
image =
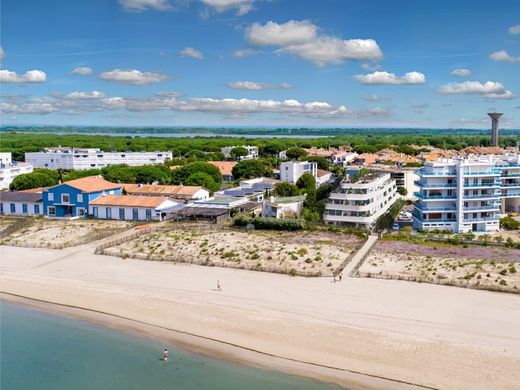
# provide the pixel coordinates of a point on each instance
(131, 208)
(82, 158)
(361, 201)
(9, 169)
(21, 203)
(291, 171)
(252, 151)
(283, 207)
(71, 199)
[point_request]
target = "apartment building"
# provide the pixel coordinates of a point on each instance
(291, 171)
(252, 151)
(73, 158)
(361, 201)
(9, 169)
(405, 178)
(467, 194)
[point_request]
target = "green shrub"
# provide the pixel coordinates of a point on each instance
(509, 223)
(268, 223)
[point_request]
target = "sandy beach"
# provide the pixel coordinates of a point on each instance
(353, 333)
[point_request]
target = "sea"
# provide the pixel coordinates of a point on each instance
(51, 352)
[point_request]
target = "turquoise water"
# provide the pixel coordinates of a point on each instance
(44, 351)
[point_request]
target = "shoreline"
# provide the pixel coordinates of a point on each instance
(432, 336)
(215, 349)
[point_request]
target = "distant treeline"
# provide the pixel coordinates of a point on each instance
(303, 131)
(205, 148)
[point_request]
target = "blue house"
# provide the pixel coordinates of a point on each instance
(71, 199)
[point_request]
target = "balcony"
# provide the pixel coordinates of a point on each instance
(510, 185)
(434, 197)
(469, 185)
(494, 172)
(514, 174)
(480, 208)
(423, 173)
(510, 194)
(423, 184)
(434, 220)
(435, 209)
(485, 196)
(480, 219)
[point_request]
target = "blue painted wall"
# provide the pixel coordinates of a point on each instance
(74, 203)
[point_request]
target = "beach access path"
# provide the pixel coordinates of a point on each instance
(435, 336)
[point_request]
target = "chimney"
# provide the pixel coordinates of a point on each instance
(495, 116)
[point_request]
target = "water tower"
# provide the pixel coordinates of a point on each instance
(495, 116)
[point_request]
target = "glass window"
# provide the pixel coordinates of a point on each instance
(24, 208)
(108, 213)
(65, 198)
(13, 208)
(95, 211)
(50, 196)
(51, 211)
(1, 208)
(122, 213)
(148, 214)
(80, 198)
(36, 209)
(135, 214)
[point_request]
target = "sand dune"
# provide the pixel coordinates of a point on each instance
(436, 336)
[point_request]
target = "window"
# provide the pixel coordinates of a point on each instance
(13, 208)
(148, 214)
(81, 211)
(51, 210)
(108, 213)
(135, 214)
(36, 209)
(80, 198)
(1, 208)
(95, 211)
(121, 213)
(50, 197)
(24, 208)
(65, 198)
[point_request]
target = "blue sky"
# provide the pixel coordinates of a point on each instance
(347, 63)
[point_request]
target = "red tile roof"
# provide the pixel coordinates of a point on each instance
(92, 184)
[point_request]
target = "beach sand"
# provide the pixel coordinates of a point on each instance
(434, 336)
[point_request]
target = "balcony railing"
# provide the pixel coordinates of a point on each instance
(480, 219)
(510, 185)
(429, 185)
(478, 208)
(422, 172)
(494, 172)
(424, 196)
(495, 184)
(481, 196)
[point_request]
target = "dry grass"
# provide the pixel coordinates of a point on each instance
(61, 233)
(296, 253)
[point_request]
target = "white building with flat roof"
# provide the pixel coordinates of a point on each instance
(291, 171)
(9, 169)
(252, 151)
(467, 195)
(361, 201)
(81, 159)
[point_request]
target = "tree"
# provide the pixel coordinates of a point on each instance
(271, 149)
(323, 163)
(402, 191)
(148, 174)
(286, 189)
(32, 180)
(217, 156)
(180, 175)
(296, 153)
(306, 182)
(204, 180)
(119, 174)
(73, 175)
(238, 152)
(249, 169)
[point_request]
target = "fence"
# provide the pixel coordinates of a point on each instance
(445, 282)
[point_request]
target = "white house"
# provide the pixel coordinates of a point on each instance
(21, 203)
(291, 171)
(323, 177)
(9, 169)
(361, 201)
(75, 158)
(133, 208)
(343, 158)
(290, 206)
(178, 193)
(252, 151)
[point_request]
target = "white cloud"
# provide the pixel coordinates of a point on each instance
(487, 90)
(173, 102)
(32, 76)
(301, 38)
(514, 29)
(191, 52)
(503, 55)
(241, 53)
(372, 98)
(141, 5)
(82, 70)
(85, 95)
(386, 78)
(251, 85)
(134, 77)
(461, 72)
(242, 6)
(371, 67)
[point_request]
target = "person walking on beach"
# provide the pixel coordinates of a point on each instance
(340, 276)
(218, 286)
(165, 355)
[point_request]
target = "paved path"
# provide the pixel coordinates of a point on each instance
(360, 255)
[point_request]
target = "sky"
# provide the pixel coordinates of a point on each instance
(302, 63)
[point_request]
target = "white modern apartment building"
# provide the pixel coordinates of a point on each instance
(9, 169)
(361, 201)
(72, 158)
(405, 178)
(291, 171)
(467, 195)
(252, 151)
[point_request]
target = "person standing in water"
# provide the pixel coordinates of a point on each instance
(165, 355)
(218, 286)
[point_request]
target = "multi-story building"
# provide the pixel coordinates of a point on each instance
(405, 178)
(360, 201)
(467, 194)
(9, 169)
(252, 151)
(71, 158)
(291, 171)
